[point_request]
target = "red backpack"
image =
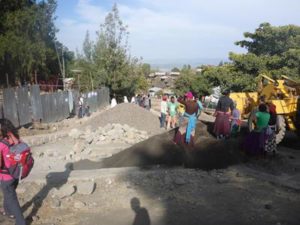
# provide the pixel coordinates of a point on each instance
(21, 160)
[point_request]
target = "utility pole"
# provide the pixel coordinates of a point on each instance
(63, 67)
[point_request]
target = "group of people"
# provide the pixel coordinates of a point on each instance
(142, 101)
(173, 110)
(261, 139)
(183, 113)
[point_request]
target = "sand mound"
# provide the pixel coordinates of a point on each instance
(129, 114)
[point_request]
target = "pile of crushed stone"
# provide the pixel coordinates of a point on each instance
(130, 114)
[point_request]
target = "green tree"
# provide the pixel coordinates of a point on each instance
(28, 43)
(146, 69)
(114, 66)
(175, 69)
(272, 50)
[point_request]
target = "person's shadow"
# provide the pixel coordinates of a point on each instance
(141, 214)
(53, 180)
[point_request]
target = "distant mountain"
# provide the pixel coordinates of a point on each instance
(168, 64)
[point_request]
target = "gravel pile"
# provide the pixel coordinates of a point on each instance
(130, 114)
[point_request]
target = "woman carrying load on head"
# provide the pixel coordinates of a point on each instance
(11, 206)
(186, 132)
(223, 112)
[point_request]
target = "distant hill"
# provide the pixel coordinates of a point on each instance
(168, 64)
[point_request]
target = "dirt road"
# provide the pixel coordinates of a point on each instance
(212, 184)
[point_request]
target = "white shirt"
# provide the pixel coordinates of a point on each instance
(163, 107)
(113, 103)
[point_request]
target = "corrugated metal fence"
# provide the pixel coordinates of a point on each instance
(26, 104)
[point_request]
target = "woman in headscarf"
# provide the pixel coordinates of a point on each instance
(186, 132)
(222, 114)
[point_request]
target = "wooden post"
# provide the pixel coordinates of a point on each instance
(7, 81)
(35, 77)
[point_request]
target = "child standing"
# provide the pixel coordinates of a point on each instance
(11, 206)
(163, 111)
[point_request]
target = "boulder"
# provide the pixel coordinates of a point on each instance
(65, 191)
(75, 133)
(79, 204)
(89, 139)
(222, 180)
(179, 181)
(85, 187)
(79, 146)
(55, 203)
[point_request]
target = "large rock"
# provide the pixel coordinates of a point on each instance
(179, 181)
(79, 205)
(89, 139)
(55, 203)
(65, 191)
(79, 146)
(75, 133)
(130, 135)
(85, 187)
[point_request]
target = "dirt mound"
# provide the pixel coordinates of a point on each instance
(208, 153)
(129, 114)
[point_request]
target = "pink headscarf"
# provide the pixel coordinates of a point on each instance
(189, 95)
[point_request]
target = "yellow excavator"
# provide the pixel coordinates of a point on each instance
(283, 93)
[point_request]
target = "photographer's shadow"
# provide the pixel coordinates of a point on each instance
(141, 214)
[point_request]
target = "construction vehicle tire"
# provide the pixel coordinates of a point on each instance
(281, 128)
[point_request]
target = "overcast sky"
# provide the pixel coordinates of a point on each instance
(173, 29)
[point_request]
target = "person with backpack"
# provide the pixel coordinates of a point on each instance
(11, 207)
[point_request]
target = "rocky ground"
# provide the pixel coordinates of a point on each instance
(101, 167)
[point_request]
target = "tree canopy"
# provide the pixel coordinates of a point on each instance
(274, 51)
(28, 41)
(108, 61)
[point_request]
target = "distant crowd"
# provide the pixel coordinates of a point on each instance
(143, 101)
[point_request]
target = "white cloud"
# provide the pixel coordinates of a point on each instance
(182, 28)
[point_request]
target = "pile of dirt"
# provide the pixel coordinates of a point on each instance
(130, 114)
(208, 153)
